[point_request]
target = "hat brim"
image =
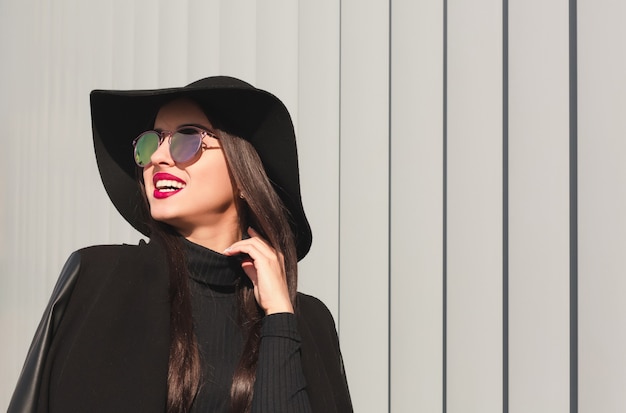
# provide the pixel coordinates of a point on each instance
(253, 114)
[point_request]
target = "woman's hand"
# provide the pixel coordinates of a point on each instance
(266, 270)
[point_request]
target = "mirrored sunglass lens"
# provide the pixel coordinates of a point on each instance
(146, 145)
(184, 145)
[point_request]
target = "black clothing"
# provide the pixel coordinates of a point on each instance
(280, 384)
(103, 342)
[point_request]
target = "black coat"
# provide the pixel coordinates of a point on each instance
(106, 329)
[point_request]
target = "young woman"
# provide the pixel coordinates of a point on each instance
(205, 317)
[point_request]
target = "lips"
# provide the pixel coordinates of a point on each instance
(166, 185)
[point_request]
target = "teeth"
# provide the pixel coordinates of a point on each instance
(167, 185)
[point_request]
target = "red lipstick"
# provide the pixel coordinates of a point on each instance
(166, 185)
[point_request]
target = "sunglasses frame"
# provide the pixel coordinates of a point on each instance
(169, 134)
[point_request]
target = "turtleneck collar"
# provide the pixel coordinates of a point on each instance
(209, 267)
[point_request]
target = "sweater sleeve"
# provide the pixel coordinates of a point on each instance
(280, 385)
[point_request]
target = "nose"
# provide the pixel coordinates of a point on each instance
(162, 155)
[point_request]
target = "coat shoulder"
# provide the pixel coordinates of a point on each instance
(314, 310)
(113, 252)
(141, 260)
(321, 357)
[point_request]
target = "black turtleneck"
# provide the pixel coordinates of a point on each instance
(280, 384)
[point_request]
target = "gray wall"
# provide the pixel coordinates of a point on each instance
(462, 166)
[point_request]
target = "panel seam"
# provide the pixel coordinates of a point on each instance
(389, 229)
(505, 206)
(445, 213)
(573, 201)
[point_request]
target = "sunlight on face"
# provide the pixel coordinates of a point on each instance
(194, 196)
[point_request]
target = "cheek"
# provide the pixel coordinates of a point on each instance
(223, 179)
(213, 174)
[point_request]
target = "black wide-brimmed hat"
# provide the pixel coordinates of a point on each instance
(119, 116)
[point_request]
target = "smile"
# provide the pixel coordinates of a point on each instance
(166, 185)
(169, 185)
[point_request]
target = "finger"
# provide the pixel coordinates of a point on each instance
(255, 256)
(256, 247)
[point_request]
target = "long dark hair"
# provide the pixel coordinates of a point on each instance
(262, 209)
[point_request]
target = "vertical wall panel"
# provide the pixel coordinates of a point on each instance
(416, 363)
(538, 208)
(172, 42)
(147, 59)
(203, 38)
(474, 234)
(237, 54)
(121, 56)
(277, 51)
(364, 175)
(602, 205)
(18, 312)
(318, 144)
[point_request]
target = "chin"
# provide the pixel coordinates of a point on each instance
(166, 217)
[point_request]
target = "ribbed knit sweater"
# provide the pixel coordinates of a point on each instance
(280, 385)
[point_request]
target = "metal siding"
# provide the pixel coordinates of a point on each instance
(539, 208)
(363, 209)
(416, 368)
(318, 147)
(365, 88)
(602, 206)
(474, 207)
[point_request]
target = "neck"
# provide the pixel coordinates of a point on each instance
(216, 239)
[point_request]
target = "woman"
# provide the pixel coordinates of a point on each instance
(205, 317)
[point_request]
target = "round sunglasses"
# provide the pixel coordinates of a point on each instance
(184, 144)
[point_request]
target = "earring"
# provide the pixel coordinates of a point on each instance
(242, 195)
